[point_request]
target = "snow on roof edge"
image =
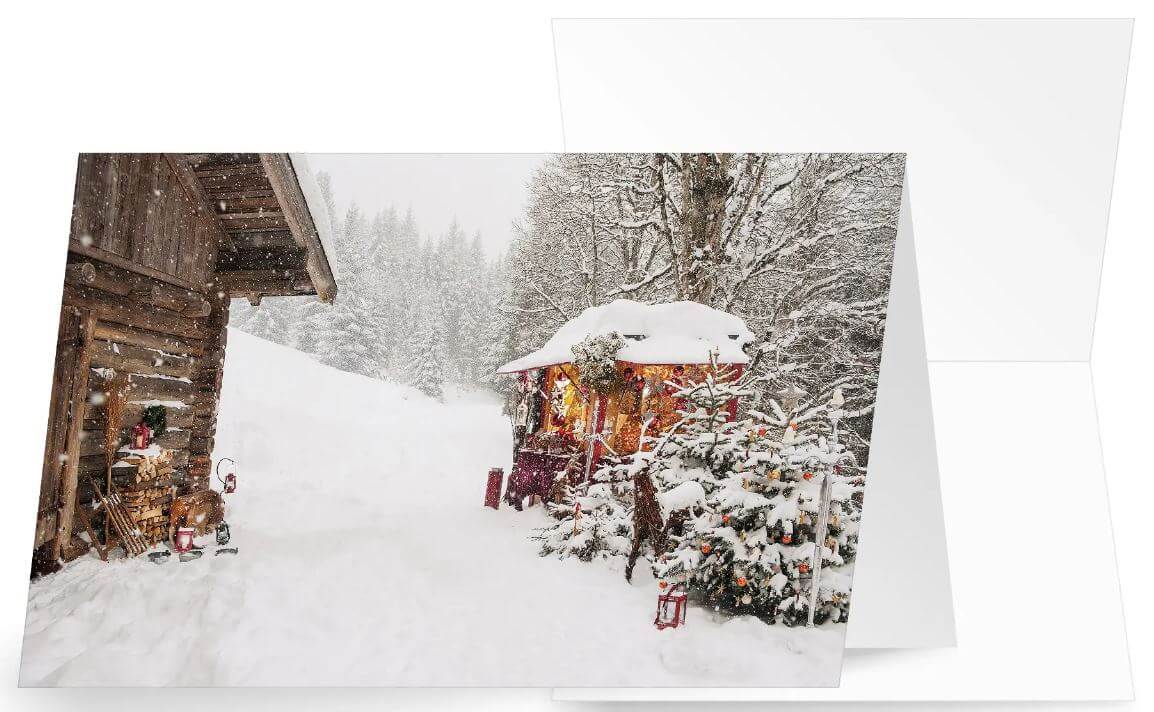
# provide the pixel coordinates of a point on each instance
(674, 333)
(315, 202)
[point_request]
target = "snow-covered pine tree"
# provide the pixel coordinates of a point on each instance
(269, 320)
(351, 341)
(752, 502)
(424, 350)
(594, 521)
(475, 318)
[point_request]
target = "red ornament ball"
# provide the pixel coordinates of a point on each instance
(741, 581)
(706, 548)
(808, 476)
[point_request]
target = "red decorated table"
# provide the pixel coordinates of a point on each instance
(533, 474)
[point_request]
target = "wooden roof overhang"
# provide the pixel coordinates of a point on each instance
(270, 246)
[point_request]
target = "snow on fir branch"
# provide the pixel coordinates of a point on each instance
(740, 500)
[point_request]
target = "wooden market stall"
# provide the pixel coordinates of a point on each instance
(159, 243)
(562, 425)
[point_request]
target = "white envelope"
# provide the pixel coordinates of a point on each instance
(1010, 128)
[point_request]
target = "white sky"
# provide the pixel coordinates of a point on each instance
(484, 191)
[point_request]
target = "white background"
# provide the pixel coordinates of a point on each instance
(438, 78)
(1009, 219)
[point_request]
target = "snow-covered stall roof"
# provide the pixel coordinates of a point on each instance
(673, 333)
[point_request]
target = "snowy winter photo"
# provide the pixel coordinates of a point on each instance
(460, 420)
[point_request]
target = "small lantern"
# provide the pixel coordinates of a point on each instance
(141, 436)
(671, 606)
(222, 534)
(184, 537)
(228, 482)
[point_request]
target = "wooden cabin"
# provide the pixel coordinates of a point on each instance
(562, 422)
(159, 244)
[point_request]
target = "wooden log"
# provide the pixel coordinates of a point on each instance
(188, 304)
(91, 443)
(141, 389)
(181, 418)
(77, 398)
(82, 273)
(281, 282)
(127, 358)
(122, 310)
(282, 177)
(145, 338)
(75, 245)
(174, 439)
(59, 415)
(147, 388)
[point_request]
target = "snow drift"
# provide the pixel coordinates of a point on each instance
(366, 558)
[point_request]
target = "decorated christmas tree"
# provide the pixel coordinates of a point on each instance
(744, 503)
(768, 491)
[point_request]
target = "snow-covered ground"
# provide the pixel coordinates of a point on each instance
(367, 558)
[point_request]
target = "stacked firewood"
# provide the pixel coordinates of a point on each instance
(148, 496)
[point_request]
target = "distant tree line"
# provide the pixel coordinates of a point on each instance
(410, 309)
(798, 245)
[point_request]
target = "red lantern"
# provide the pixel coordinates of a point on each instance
(228, 482)
(141, 436)
(671, 607)
(184, 537)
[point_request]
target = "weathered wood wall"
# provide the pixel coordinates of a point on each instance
(142, 312)
(144, 209)
(158, 245)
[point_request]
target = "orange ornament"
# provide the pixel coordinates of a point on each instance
(803, 568)
(725, 519)
(741, 581)
(661, 585)
(808, 476)
(786, 538)
(706, 548)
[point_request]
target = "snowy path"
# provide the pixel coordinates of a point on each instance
(367, 559)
